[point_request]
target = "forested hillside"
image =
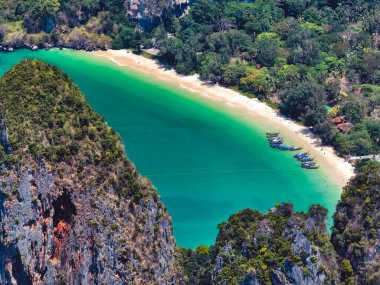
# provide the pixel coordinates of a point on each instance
(317, 61)
(356, 231)
(73, 208)
(80, 24)
(281, 247)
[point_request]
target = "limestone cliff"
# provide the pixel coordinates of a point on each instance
(147, 11)
(73, 209)
(356, 231)
(281, 247)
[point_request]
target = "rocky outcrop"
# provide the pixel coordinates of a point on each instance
(148, 12)
(279, 248)
(73, 220)
(356, 231)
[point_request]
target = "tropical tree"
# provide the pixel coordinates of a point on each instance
(301, 97)
(256, 81)
(267, 46)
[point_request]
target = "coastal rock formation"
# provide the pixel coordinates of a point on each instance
(73, 209)
(356, 231)
(147, 12)
(281, 247)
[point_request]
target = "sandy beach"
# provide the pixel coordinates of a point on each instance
(259, 112)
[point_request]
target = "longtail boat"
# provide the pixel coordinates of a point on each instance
(294, 148)
(273, 134)
(276, 141)
(301, 154)
(275, 138)
(309, 166)
(275, 145)
(306, 159)
(309, 163)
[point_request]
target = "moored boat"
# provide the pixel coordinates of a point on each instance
(273, 134)
(303, 157)
(301, 154)
(309, 166)
(276, 140)
(306, 159)
(309, 163)
(294, 148)
(275, 145)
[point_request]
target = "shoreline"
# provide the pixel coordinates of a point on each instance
(338, 169)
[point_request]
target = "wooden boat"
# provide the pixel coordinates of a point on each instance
(279, 146)
(302, 157)
(276, 141)
(309, 166)
(301, 154)
(294, 148)
(306, 159)
(275, 145)
(274, 138)
(309, 163)
(273, 134)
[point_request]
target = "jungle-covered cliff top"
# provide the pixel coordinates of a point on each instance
(73, 208)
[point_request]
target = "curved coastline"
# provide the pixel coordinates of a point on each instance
(336, 167)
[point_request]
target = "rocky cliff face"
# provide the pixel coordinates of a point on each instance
(281, 247)
(147, 12)
(73, 209)
(356, 231)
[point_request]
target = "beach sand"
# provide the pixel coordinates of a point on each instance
(258, 112)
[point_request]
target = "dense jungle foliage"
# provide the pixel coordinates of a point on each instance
(82, 24)
(52, 122)
(357, 225)
(315, 60)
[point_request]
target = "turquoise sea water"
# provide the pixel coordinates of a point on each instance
(206, 161)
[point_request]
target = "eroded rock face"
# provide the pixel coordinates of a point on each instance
(53, 233)
(148, 12)
(282, 247)
(75, 221)
(356, 231)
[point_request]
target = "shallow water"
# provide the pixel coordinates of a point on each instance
(207, 161)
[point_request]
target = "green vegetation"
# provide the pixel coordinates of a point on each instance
(80, 24)
(302, 55)
(357, 225)
(65, 177)
(251, 245)
(265, 248)
(272, 50)
(52, 122)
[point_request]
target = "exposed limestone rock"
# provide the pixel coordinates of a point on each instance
(279, 248)
(148, 12)
(61, 221)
